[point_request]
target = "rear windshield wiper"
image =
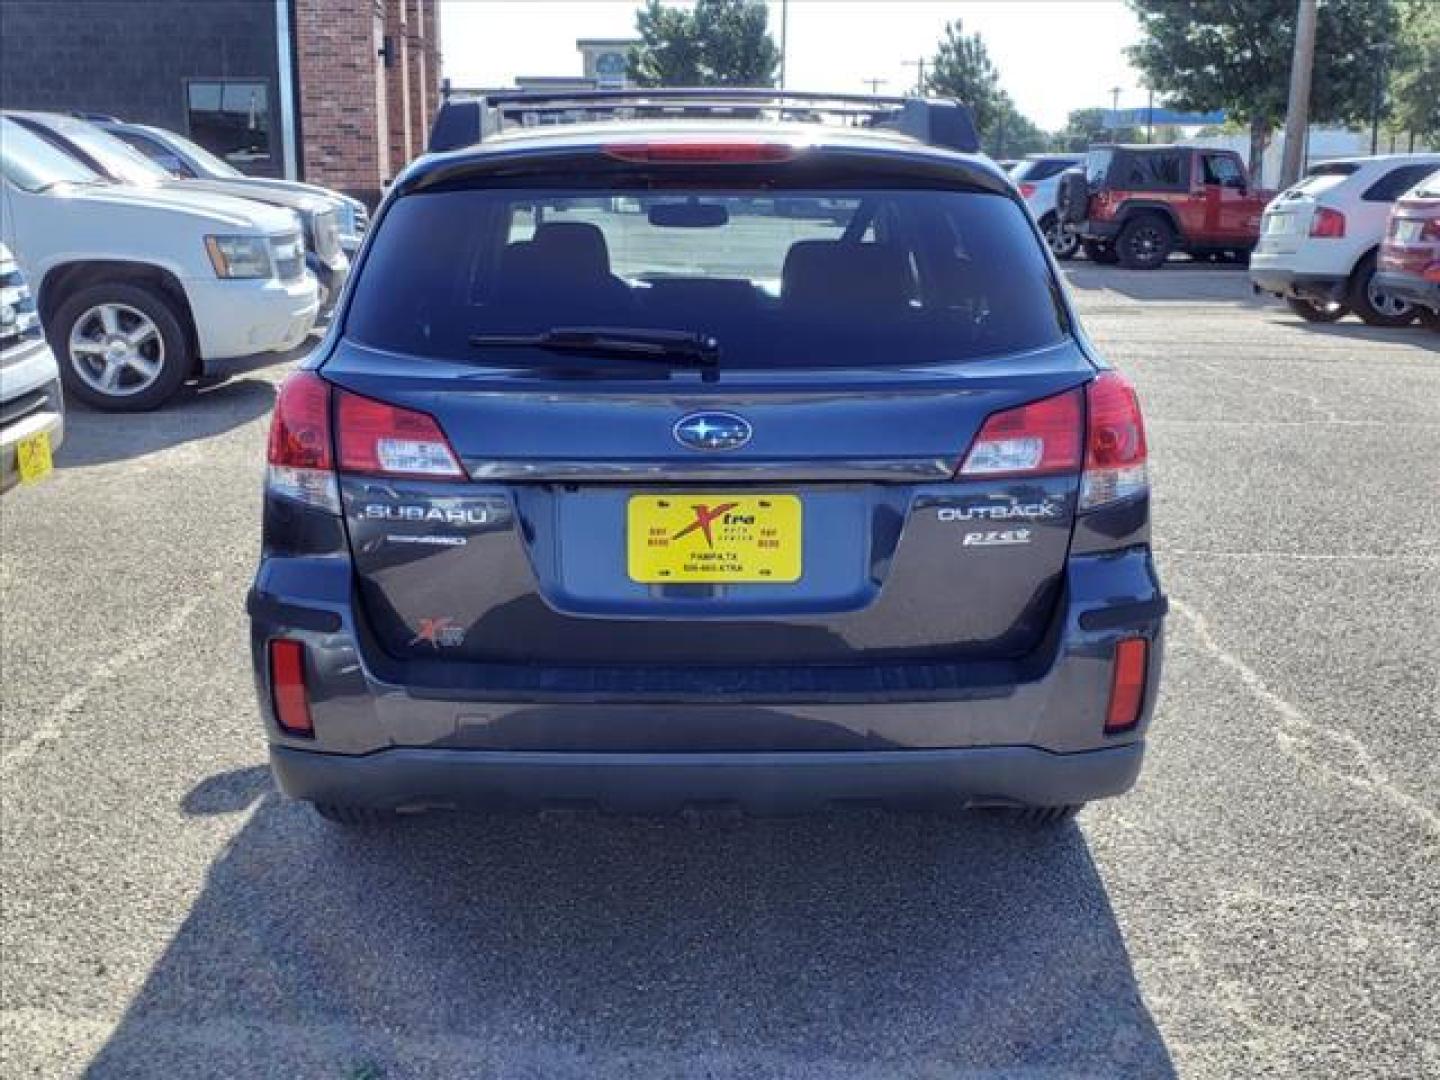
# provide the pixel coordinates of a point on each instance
(677, 348)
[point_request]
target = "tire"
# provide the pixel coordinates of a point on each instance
(126, 336)
(1316, 313)
(1374, 308)
(1061, 239)
(1430, 319)
(1145, 242)
(353, 817)
(1099, 252)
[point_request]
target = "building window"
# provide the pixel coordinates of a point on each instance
(232, 119)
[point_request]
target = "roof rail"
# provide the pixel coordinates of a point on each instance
(466, 118)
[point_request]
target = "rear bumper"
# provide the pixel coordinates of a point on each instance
(665, 783)
(1036, 736)
(1409, 287)
(1104, 231)
(1280, 281)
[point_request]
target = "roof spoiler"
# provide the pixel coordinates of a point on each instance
(466, 118)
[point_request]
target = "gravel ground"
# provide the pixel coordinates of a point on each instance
(1264, 904)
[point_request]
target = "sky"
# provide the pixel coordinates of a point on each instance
(1052, 55)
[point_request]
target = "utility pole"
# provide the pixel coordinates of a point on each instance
(874, 84)
(1297, 113)
(1382, 50)
(1150, 117)
(1115, 114)
(784, 25)
(919, 65)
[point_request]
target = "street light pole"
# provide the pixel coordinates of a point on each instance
(1115, 114)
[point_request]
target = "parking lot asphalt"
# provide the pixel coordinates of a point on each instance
(1266, 902)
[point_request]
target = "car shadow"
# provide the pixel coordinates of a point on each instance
(860, 943)
(1354, 330)
(1179, 281)
(198, 412)
(201, 410)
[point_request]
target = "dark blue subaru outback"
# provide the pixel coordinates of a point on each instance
(705, 448)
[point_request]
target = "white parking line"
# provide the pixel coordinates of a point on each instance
(1307, 741)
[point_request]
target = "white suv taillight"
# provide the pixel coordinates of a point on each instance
(301, 466)
(1115, 451)
(377, 439)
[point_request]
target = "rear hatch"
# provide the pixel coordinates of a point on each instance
(673, 424)
(1287, 220)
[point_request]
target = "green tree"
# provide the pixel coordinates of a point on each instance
(717, 43)
(1013, 134)
(1415, 84)
(962, 70)
(1084, 127)
(1231, 55)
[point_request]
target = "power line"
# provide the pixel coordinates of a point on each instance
(875, 84)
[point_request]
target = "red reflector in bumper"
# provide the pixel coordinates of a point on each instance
(1127, 689)
(287, 686)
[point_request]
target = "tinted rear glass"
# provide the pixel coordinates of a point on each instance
(1396, 183)
(1035, 171)
(793, 279)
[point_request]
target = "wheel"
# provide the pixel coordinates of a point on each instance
(353, 816)
(1043, 817)
(1145, 242)
(121, 347)
(1062, 238)
(1375, 307)
(1312, 311)
(1097, 251)
(1430, 319)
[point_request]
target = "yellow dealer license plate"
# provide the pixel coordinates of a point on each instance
(739, 538)
(32, 458)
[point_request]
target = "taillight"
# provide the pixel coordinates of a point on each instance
(1027, 190)
(1115, 450)
(1127, 685)
(287, 687)
(1327, 224)
(377, 439)
(1431, 231)
(300, 466)
(1037, 439)
(708, 152)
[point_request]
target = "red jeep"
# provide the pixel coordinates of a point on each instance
(1136, 204)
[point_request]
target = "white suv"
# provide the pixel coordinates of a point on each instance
(1319, 240)
(32, 411)
(140, 290)
(1038, 178)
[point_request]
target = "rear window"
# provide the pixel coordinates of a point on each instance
(783, 279)
(1321, 178)
(1036, 171)
(1140, 171)
(1396, 183)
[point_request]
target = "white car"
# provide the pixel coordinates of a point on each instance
(1038, 178)
(139, 290)
(186, 160)
(32, 412)
(1320, 240)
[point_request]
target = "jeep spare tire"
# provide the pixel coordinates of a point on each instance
(1072, 197)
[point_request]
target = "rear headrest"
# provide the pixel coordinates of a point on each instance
(574, 249)
(839, 272)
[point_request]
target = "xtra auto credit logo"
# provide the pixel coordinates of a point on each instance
(712, 431)
(705, 518)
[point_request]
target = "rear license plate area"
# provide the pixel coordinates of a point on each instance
(714, 538)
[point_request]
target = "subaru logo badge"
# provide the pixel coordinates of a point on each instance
(712, 431)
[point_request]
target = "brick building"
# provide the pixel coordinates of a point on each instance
(336, 92)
